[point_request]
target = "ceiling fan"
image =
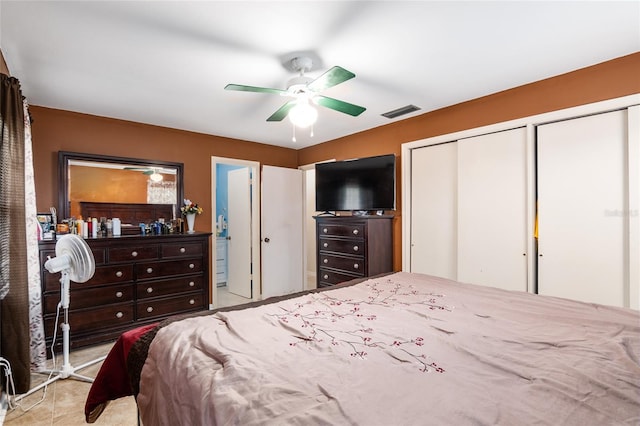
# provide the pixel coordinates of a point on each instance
(305, 90)
(154, 173)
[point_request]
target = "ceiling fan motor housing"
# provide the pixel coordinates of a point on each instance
(298, 84)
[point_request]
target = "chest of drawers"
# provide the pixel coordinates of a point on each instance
(350, 247)
(138, 280)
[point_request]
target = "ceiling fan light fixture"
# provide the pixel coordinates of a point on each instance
(155, 177)
(303, 115)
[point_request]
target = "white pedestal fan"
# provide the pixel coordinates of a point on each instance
(75, 261)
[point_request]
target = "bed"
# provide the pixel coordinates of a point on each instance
(400, 349)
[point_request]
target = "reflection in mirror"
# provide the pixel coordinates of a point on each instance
(87, 181)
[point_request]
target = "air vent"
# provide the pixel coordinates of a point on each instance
(400, 111)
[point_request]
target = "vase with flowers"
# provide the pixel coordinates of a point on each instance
(189, 210)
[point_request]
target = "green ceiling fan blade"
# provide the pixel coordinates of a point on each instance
(243, 88)
(333, 77)
(282, 112)
(149, 172)
(337, 105)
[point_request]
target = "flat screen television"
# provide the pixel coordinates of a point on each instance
(359, 185)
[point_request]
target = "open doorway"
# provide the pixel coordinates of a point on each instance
(236, 255)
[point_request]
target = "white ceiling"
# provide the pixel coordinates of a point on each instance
(167, 62)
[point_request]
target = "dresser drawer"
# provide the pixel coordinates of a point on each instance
(353, 247)
(341, 230)
(127, 254)
(351, 265)
(181, 250)
(102, 275)
(98, 255)
(150, 270)
(88, 297)
(110, 274)
(328, 277)
(159, 307)
(93, 319)
(167, 287)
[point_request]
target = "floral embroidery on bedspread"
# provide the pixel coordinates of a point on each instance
(331, 325)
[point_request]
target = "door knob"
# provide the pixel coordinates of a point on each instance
(266, 239)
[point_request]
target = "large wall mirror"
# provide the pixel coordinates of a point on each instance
(90, 180)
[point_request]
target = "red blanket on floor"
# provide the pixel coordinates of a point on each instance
(112, 381)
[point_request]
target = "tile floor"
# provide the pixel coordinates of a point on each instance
(63, 402)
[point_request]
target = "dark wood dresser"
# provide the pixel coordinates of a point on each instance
(351, 247)
(138, 280)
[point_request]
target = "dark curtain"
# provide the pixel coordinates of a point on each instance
(14, 288)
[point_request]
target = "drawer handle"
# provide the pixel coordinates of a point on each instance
(150, 309)
(149, 289)
(356, 266)
(182, 249)
(325, 230)
(355, 232)
(325, 245)
(356, 248)
(149, 270)
(119, 315)
(119, 274)
(325, 276)
(191, 283)
(118, 294)
(191, 266)
(325, 260)
(192, 302)
(134, 254)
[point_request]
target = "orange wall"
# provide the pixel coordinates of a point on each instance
(608, 80)
(55, 130)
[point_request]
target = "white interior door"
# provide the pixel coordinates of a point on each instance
(282, 231)
(582, 208)
(492, 210)
(239, 233)
(434, 210)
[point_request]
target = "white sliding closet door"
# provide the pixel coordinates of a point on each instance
(582, 204)
(492, 210)
(434, 210)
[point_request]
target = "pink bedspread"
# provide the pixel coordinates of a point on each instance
(405, 349)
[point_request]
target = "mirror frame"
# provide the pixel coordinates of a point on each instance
(63, 174)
